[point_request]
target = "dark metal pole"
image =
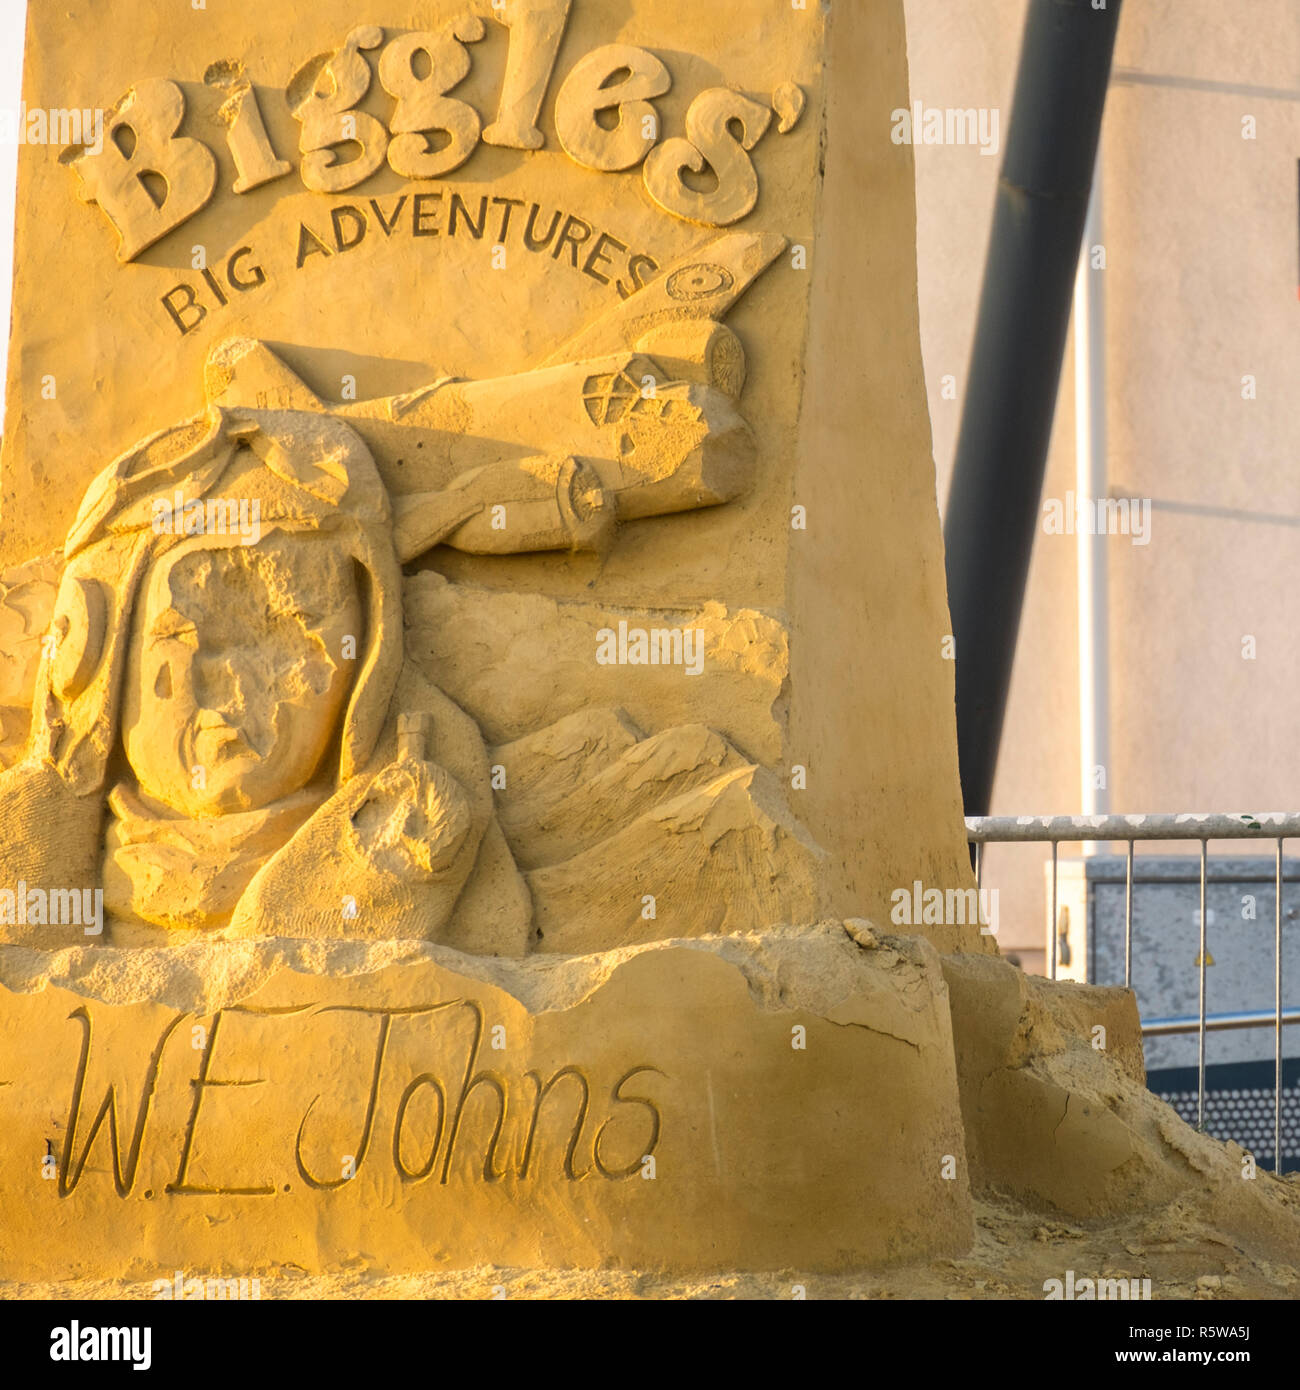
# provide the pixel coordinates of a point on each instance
(1024, 315)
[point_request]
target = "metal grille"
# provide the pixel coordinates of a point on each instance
(1239, 1105)
(1231, 1117)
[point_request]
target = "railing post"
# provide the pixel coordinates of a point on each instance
(1128, 920)
(1277, 1021)
(1200, 1036)
(1055, 933)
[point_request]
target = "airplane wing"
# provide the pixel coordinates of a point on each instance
(702, 285)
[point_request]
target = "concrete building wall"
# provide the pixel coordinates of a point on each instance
(1201, 235)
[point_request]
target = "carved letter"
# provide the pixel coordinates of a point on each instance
(203, 1081)
(418, 1175)
(711, 146)
(536, 28)
(474, 1079)
(575, 1134)
(423, 108)
(146, 179)
(646, 1149)
(257, 275)
(585, 94)
(322, 96)
(346, 239)
(255, 161)
(381, 1047)
(123, 1174)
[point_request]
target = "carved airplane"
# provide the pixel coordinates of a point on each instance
(636, 416)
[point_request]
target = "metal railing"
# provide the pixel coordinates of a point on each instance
(1278, 826)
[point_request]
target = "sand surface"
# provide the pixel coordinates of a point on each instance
(1015, 1252)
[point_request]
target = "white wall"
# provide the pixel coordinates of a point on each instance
(1201, 239)
(13, 18)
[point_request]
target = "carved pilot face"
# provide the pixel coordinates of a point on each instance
(240, 664)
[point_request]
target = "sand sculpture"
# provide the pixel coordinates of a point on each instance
(229, 626)
(462, 737)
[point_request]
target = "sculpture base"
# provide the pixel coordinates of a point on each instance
(766, 1102)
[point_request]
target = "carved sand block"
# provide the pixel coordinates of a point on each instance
(651, 403)
(469, 540)
(733, 1103)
